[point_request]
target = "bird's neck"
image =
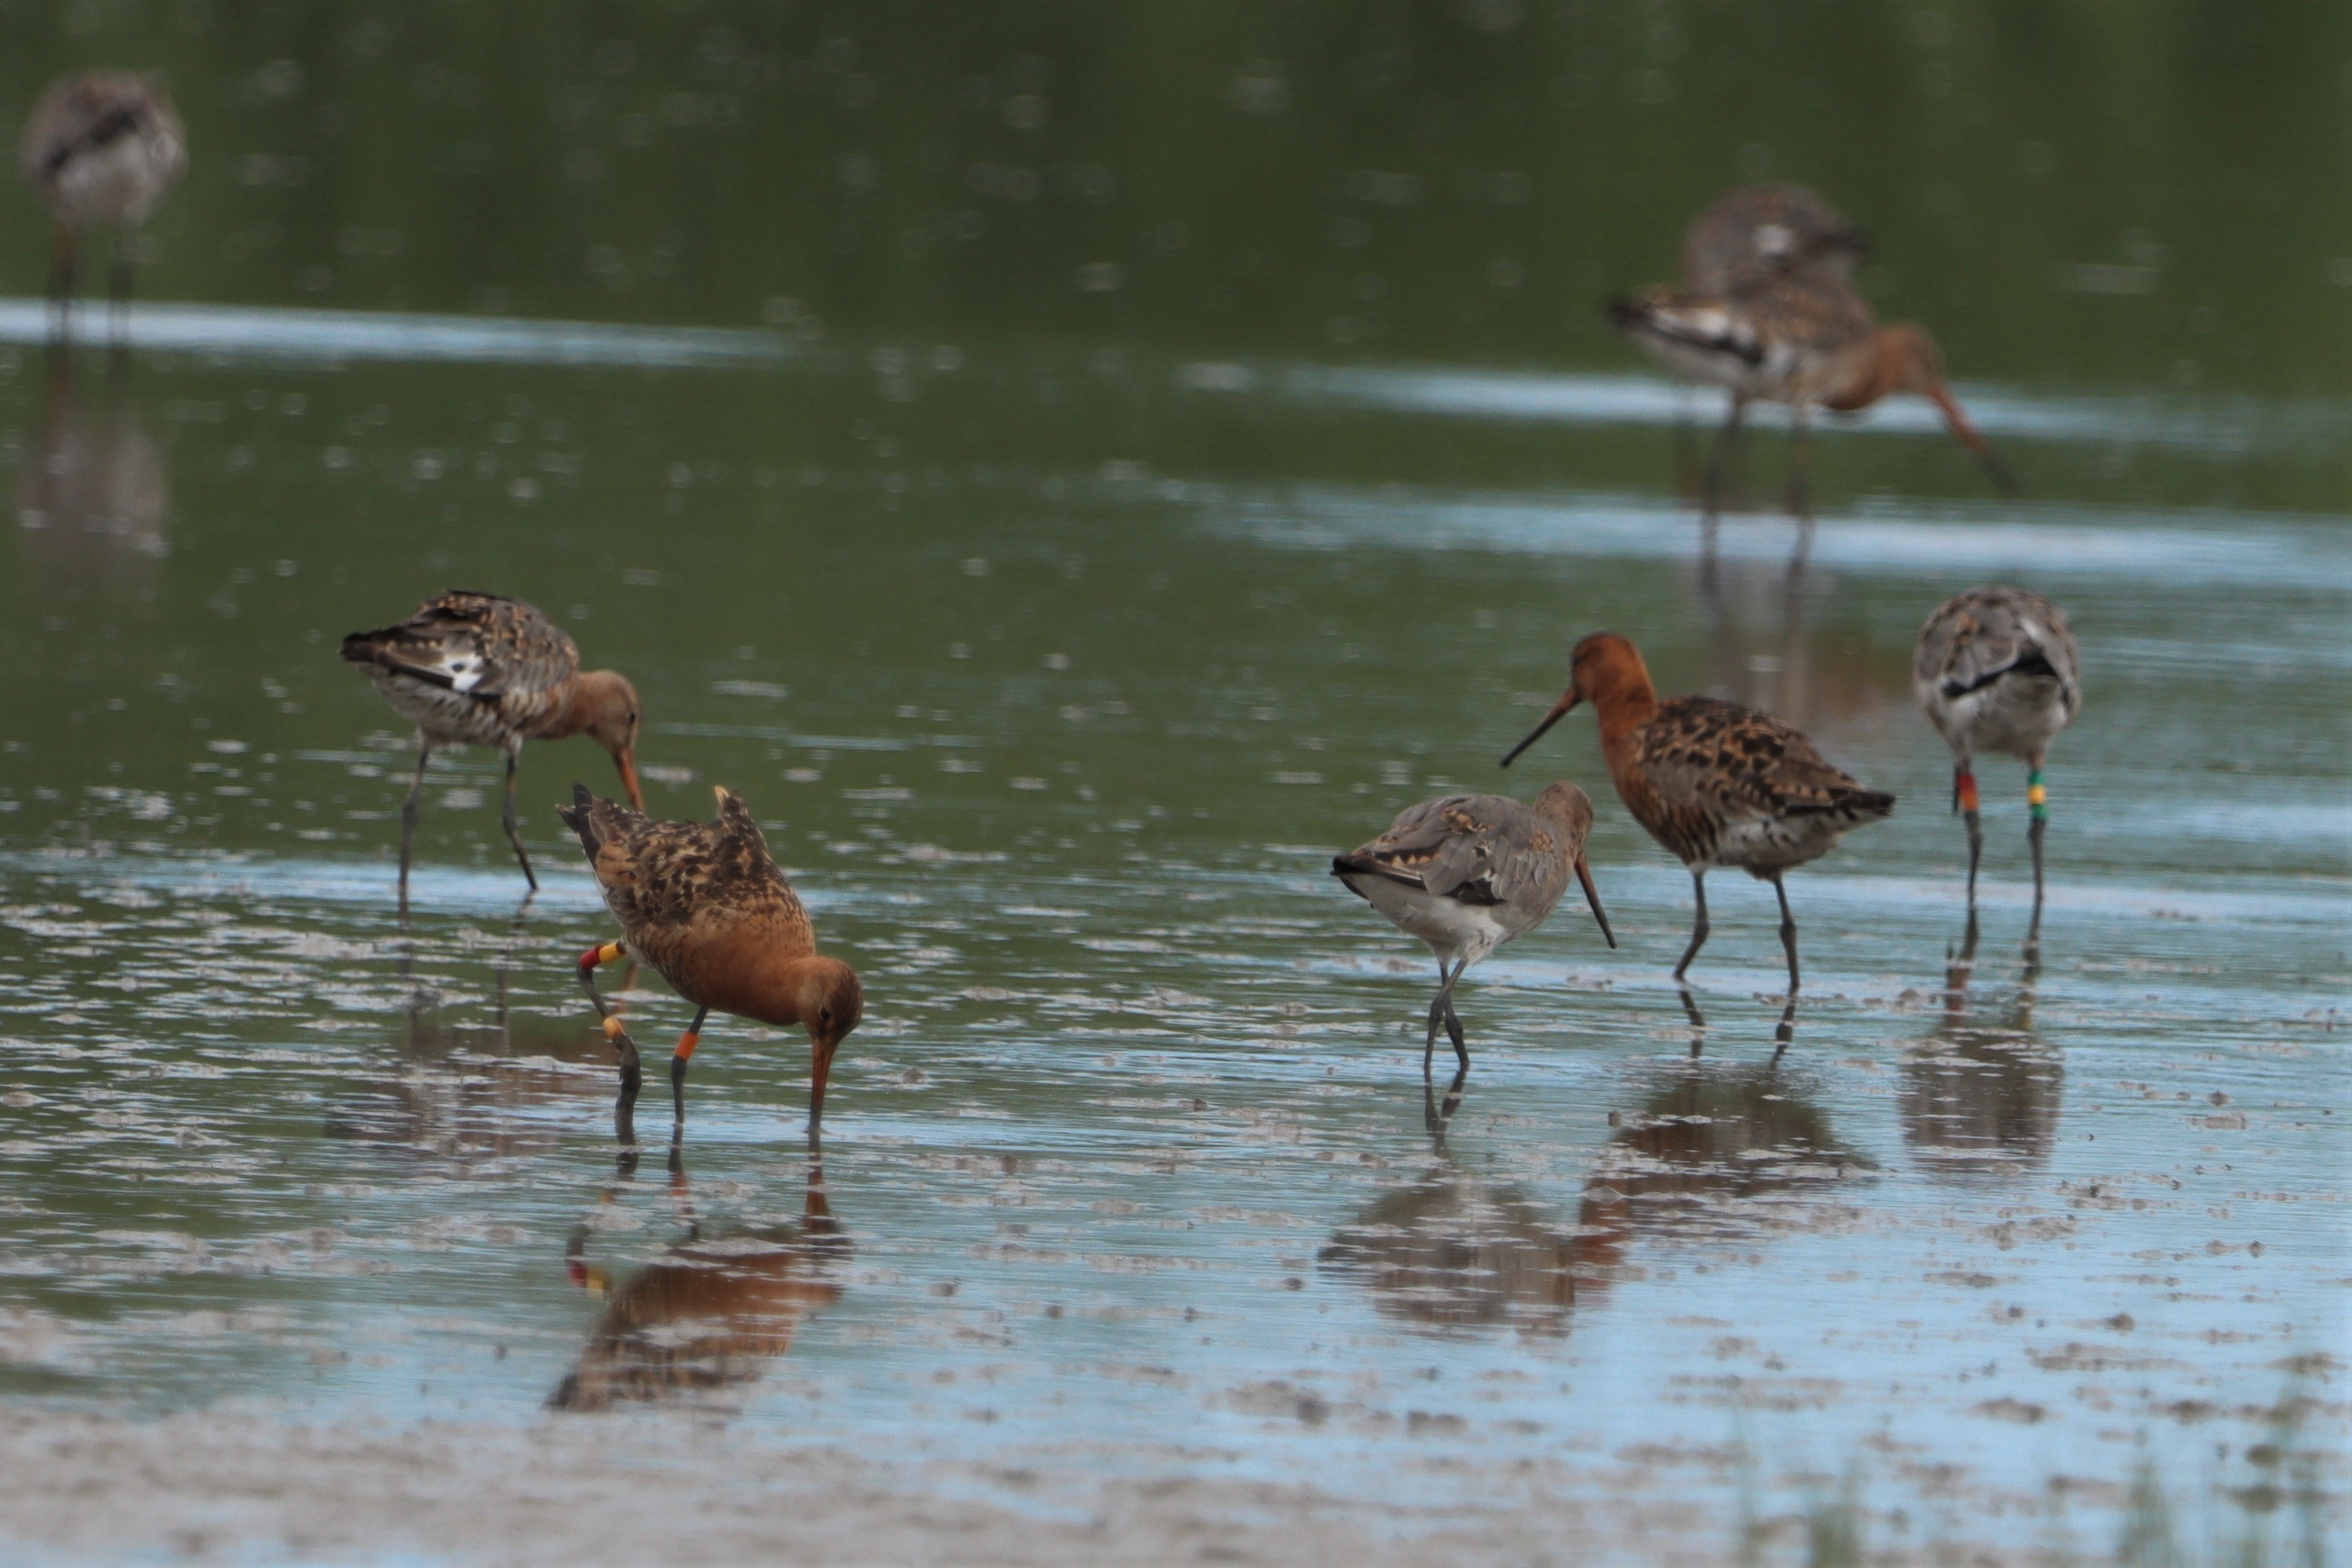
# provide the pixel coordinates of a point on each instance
(1884, 367)
(1624, 705)
(571, 710)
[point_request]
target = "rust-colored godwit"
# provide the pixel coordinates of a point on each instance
(708, 907)
(1467, 873)
(481, 669)
(1716, 783)
(1995, 670)
(1778, 319)
(101, 149)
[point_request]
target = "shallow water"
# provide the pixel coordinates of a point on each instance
(1057, 666)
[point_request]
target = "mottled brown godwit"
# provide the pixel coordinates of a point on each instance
(1995, 670)
(101, 149)
(1716, 783)
(1767, 310)
(1467, 873)
(479, 669)
(708, 907)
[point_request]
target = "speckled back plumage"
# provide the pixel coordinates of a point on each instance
(471, 669)
(1720, 783)
(1480, 849)
(687, 892)
(1798, 339)
(1995, 669)
(1754, 234)
(103, 148)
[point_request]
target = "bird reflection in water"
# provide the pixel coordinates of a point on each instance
(707, 1315)
(1980, 1094)
(1453, 1252)
(92, 496)
(1711, 1140)
(456, 1088)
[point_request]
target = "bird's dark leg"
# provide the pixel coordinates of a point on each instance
(1801, 486)
(1436, 1113)
(1785, 1031)
(1697, 1022)
(513, 824)
(1711, 502)
(1788, 933)
(408, 814)
(62, 248)
(1698, 925)
(1452, 1019)
(2037, 800)
(625, 1126)
(1441, 1015)
(1964, 801)
(117, 302)
(680, 1058)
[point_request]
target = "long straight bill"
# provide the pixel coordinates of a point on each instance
(1593, 897)
(1968, 437)
(1559, 709)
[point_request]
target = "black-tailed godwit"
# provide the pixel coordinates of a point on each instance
(1995, 670)
(1716, 783)
(101, 149)
(481, 669)
(708, 907)
(1778, 319)
(1467, 873)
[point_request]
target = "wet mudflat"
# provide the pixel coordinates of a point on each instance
(1057, 666)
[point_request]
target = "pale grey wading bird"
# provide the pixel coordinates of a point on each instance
(481, 669)
(1467, 873)
(101, 149)
(1995, 670)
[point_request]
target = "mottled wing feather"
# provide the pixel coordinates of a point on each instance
(482, 646)
(671, 883)
(1979, 637)
(1755, 235)
(1477, 849)
(1705, 763)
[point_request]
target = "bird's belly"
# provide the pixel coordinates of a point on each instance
(1452, 929)
(2016, 715)
(1766, 844)
(451, 717)
(113, 185)
(1717, 367)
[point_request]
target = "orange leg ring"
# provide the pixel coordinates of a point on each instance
(686, 1044)
(1966, 786)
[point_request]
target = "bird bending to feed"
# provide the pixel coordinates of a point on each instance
(481, 669)
(1467, 873)
(1716, 783)
(1767, 310)
(101, 149)
(1995, 670)
(706, 905)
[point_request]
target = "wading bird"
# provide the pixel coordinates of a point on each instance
(1778, 319)
(1716, 783)
(707, 906)
(479, 669)
(1467, 873)
(101, 149)
(1995, 671)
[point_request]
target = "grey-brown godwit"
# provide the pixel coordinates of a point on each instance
(1716, 783)
(1777, 318)
(481, 669)
(1995, 670)
(101, 149)
(708, 907)
(1467, 873)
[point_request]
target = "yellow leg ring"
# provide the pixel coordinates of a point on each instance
(610, 952)
(613, 1026)
(2036, 795)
